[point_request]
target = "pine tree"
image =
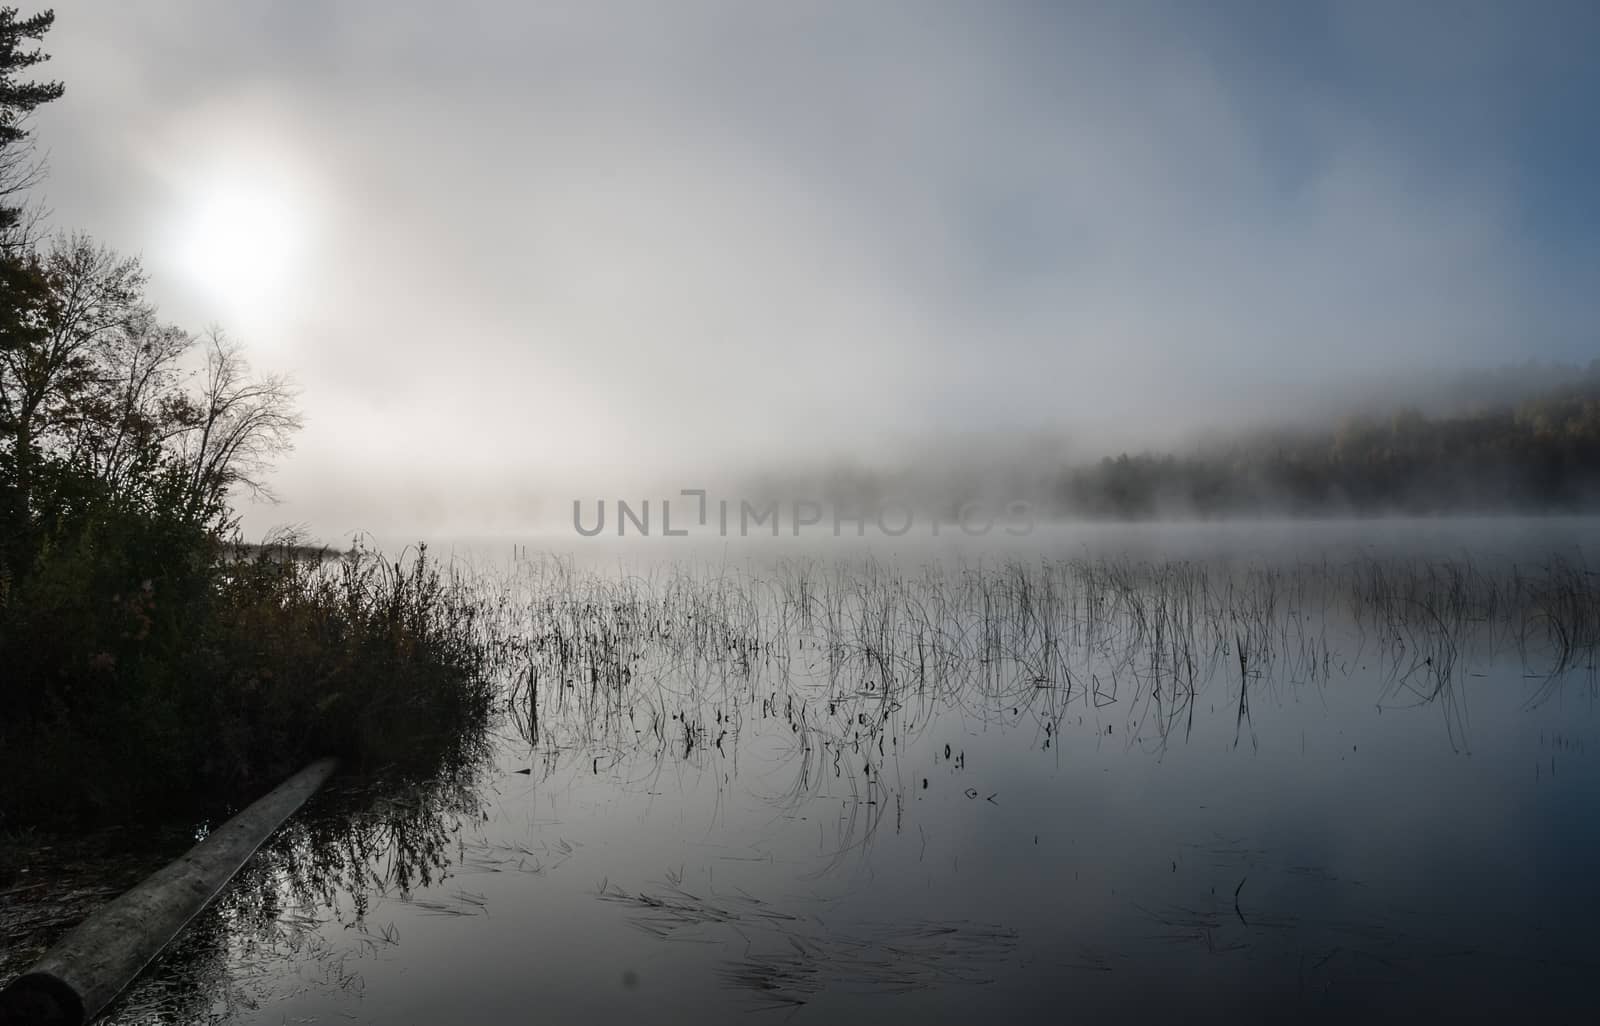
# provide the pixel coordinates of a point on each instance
(18, 99)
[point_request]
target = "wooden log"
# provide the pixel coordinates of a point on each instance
(81, 975)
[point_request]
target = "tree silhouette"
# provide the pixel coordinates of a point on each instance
(18, 100)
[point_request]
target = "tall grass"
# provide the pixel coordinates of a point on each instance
(212, 692)
(853, 656)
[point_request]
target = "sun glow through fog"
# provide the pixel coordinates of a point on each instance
(241, 239)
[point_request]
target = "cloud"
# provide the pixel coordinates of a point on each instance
(567, 243)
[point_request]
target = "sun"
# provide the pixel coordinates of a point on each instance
(241, 239)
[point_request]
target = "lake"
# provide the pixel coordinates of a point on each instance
(1207, 771)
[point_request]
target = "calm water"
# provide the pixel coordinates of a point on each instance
(1205, 772)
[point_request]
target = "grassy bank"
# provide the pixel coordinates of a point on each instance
(139, 693)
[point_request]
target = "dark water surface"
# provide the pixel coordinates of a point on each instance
(1201, 773)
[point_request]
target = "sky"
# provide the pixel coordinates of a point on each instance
(518, 253)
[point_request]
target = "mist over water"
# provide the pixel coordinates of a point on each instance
(640, 244)
(1320, 770)
(952, 513)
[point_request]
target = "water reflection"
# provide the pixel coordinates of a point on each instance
(352, 846)
(936, 791)
(835, 670)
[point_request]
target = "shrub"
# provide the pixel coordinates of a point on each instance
(142, 692)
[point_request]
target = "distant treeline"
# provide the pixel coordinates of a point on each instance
(1541, 453)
